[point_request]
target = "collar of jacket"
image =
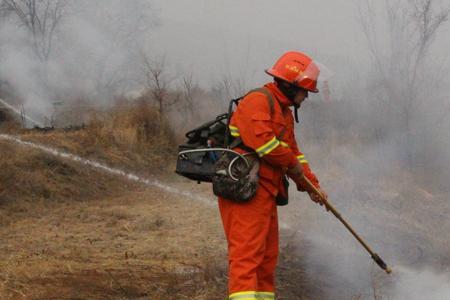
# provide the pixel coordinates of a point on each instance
(284, 102)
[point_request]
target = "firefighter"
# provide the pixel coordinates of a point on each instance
(251, 228)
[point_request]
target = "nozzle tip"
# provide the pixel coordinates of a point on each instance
(388, 270)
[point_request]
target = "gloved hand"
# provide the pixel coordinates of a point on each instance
(319, 199)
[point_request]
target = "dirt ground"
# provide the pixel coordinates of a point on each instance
(143, 244)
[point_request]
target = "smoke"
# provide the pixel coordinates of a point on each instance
(93, 54)
(381, 152)
(402, 220)
(20, 69)
(417, 285)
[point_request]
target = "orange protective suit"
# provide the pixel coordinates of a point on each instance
(251, 228)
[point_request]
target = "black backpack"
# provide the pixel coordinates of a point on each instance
(206, 143)
(201, 157)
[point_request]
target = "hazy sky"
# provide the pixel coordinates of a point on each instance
(213, 36)
(289, 21)
(242, 37)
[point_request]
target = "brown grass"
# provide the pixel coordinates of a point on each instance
(131, 135)
(142, 245)
(31, 175)
(70, 232)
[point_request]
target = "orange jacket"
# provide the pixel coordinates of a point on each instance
(271, 134)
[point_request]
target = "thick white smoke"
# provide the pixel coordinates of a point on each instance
(94, 54)
(413, 284)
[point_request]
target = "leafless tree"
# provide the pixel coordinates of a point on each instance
(232, 87)
(400, 53)
(188, 88)
(235, 83)
(41, 19)
(126, 26)
(194, 100)
(158, 83)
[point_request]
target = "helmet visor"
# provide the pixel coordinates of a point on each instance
(309, 77)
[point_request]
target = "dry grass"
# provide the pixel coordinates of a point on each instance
(142, 245)
(30, 175)
(130, 135)
(70, 232)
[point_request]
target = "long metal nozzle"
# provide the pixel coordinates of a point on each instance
(381, 263)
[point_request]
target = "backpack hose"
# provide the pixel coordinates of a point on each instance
(182, 154)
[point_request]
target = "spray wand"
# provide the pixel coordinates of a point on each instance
(333, 210)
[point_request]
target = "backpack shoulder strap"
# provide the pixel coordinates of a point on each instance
(236, 102)
(269, 98)
(271, 106)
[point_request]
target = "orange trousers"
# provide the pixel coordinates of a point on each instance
(251, 230)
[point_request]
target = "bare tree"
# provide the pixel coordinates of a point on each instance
(41, 18)
(427, 21)
(189, 88)
(235, 82)
(400, 53)
(232, 87)
(127, 25)
(158, 83)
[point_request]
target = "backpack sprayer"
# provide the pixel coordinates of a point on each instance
(206, 144)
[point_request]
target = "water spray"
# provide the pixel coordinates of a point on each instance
(380, 262)
(21, 114)
(104, 168)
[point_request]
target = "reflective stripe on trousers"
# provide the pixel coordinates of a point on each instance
(252, 295)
